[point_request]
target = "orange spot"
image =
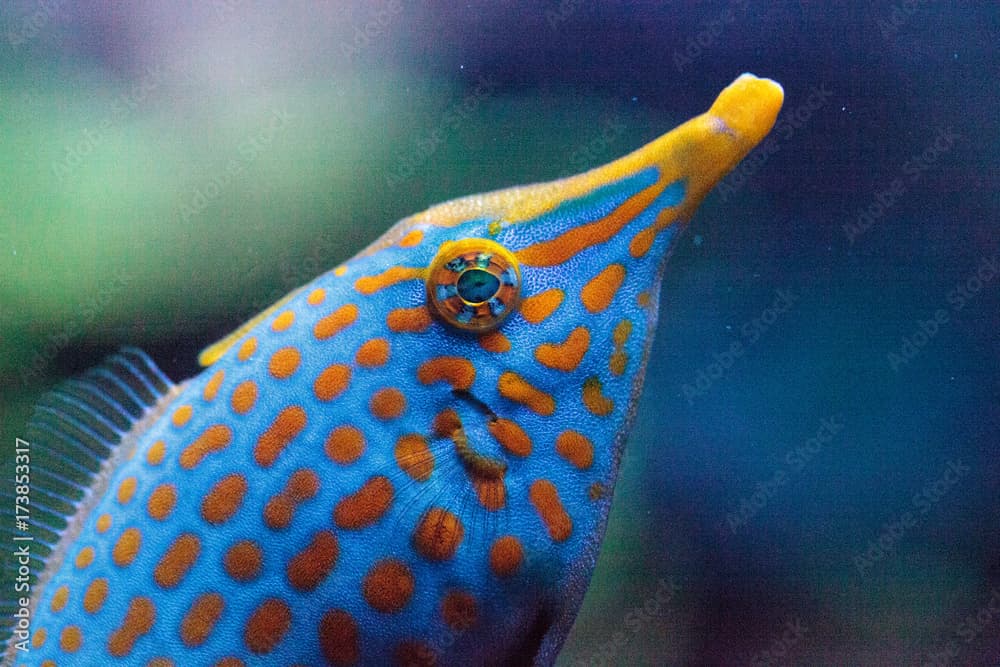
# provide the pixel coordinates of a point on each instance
(370, 284)
(316, 297)
(336, 321)
(537, 307)
(388, 586)
(126, 547)
(230, 662)
(412, 238)
(345, 444)
(267, 626)
(408, 320)
(414, 456)
(181, 416)
(458, 609)
(575, 448)
(288, 424)
(596, 491)
(599, 292)
(643, 299)
(212, 386)
(491, 492)
(545, 499)
(85, 557)
(387, 403)
(177, 560)
(311, 565)
(595, 401)
(157, 450)
(415, 654)
(221, 502)
(160, 662)
(59, 598)
(456, 371)
(643, 241)
(244, 397)
(510, 435)
(506, 556)
(515, 388)
(70, 639)
(565, 356)
(279, 511)
(247, 348)
(38, 639)
(103, 523)
(161, 502)
(494, 341)
(283, 321)
(438, 534)
(338, 638)
(373, 353)
(138, 621)
(332, 382)
(576, 239)
(96, 593)
(214, 438)
(126, 490)
(243, 561)
(446, 423)
(340, 270)
(200, 619)
(284, 362)
(621, 333)
(366, 505)
(618, 363)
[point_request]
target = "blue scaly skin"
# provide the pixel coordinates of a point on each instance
(409, 460)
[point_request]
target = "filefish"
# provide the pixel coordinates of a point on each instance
(409, 460)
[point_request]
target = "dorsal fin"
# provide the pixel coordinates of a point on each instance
(71, 441)
(214, 352)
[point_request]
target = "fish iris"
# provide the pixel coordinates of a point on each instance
(477, 286)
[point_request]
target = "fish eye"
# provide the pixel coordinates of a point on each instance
(473, 284)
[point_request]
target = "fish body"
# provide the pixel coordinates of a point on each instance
(410, 460)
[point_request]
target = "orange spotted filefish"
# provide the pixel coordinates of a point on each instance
(409, 460)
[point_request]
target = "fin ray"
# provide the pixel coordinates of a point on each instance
(74, 435)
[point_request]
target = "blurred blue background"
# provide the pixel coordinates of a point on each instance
(813, 477)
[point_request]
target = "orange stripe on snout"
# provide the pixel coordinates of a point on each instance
(569, 243)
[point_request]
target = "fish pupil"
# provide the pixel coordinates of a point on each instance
(477, 286)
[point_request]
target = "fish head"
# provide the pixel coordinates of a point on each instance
(525, 315)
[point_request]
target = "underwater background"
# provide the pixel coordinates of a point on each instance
(813, 477)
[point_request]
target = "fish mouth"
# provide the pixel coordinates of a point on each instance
(478, 466)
